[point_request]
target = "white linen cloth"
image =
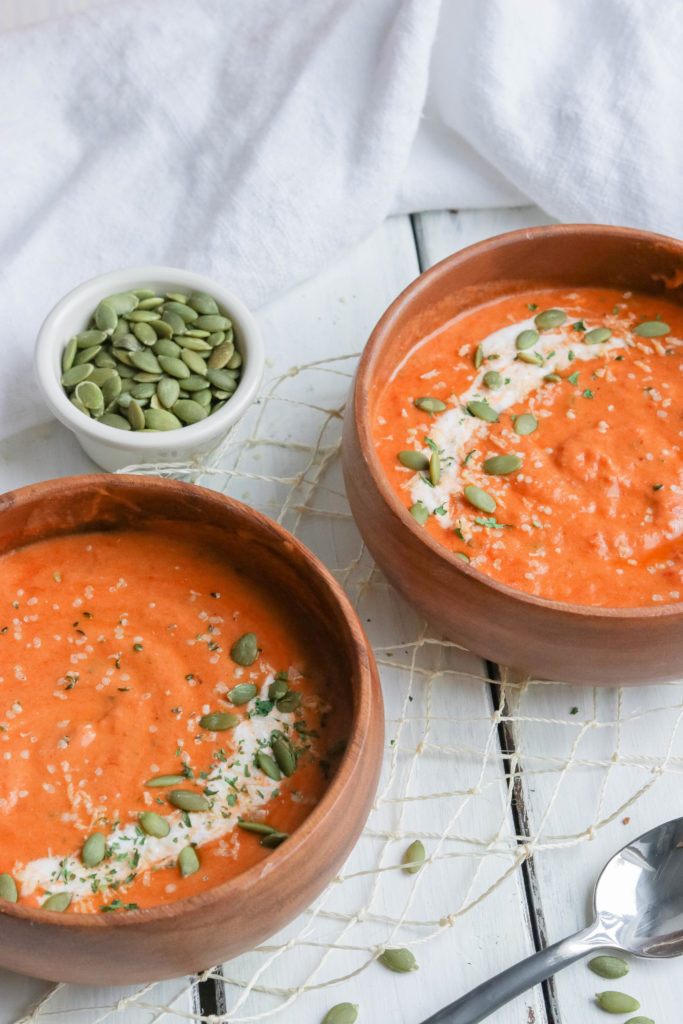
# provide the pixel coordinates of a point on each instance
(255, 140)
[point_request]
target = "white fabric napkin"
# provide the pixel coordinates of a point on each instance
(255, 140)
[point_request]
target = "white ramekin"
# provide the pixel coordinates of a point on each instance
(114, 449)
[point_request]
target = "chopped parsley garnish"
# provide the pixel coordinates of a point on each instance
(574, 377)
(570, 355)
(441, 510)
(468, 456)
(657, 487)
(579, 326)
(491, 522)
(532, 306)
(588, 393)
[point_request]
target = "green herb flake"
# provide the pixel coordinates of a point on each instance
(574, 378)
(491, 522)
(579, 326)
(657, 487)
(574, 711)
(532, 306)
(468, 456)
(588, 393)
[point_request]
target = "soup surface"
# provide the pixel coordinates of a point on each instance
(539, 438)
(119, 658)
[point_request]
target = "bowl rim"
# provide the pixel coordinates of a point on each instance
(380, 335)
(364, 708)
(49, 344)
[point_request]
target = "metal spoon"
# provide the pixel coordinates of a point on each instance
(638, 904)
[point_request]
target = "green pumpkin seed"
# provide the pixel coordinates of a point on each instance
(268, 766)
(147, 378)
(190, 337)
(419, 512)
(188, 800)
(212, 322)
(550, 318)
(122, 328)
(597, 336)
(58, 901)
(414, 857)
(146, 361)
(244, 651)
(501, 465)
(220, 378)
(216, 338)
(194, 361)
(220, 356)
(174, 366)
(94, 849)
(175, 322)
(203, 303)
(273, 840)
(136, 416)
(168, 390)
(640, 1020)
(435, 468)
(142, 316)
(493, 380)
(258, 827)
(552, 378)
(478, 357)
(104, 359)
(128, 343)
(526, 339)
(8, 888)
(106, 317)
(79, 405)
(483, 411)
(161, 419)
(525, 423)
(284, 755)
(616, 1002)
(234, 361)
(608, 966)
(188, 861)
(176, 296)
(243, 692)
(151, 303)
(112, 419)
(414, 460)
(144, 333)
(142, 293)
(652, 329)
(181, 309)
(162, 781)
(218, 721)
(462, 556)
(90, 339)
(89, 394)
(189, 411)
(203, 397)
(75, 374)
(429, 404)
(86, 355)
(69, 354)
(195, 382)
(277, 689)
(480, 499)
(162, 329)
(399, 960)
(101, 374)
(141, 390)
(342, 1013)
(534, 358)
(192, 343)
(124, 302)
(289, 703)
(166, 347)
(153, 824)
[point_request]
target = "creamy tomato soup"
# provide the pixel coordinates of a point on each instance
(539, 438)
(163, 724)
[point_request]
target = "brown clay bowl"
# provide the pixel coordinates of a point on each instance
(544, 638)
(194, 933)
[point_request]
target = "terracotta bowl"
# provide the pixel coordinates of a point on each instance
(546, 639)
(194, 933)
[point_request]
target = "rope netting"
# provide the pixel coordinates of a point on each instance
(460, 747)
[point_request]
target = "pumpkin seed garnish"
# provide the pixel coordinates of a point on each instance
(480, 499)
(652, 329)
(161, 781)
(188, 800)
(501, 465)
(342, 1013)
(526, 339)
(552, 378)
(414, 857)
(550, 318)
(608, 966)
(8, 888)
(493, 380)
(273, 840)
(94, 849)
(399, 960)
(462, 556)
(597, 336)
(218, 721)
(289, 703)
(616, 1002)
(259, 827)
(640, 1020)
(268, 766)
(277, 689)
(242, 693)
(284, 755)
(188, 861)
(60, 901)
(244, 651)
(153, 824)
(478, 357)
(525, 423)
(430, 405)
(419, 512)
(435, 468)
(414, 460)
(483, 411)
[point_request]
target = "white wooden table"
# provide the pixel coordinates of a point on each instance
(622, 752)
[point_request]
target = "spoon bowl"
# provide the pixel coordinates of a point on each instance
(638, 905)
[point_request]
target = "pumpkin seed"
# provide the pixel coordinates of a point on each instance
(176, 296)
(212, 322)
(124, 302)
(652, 329)
(166, 347)
(268, 766)
(111, 388)
(616, 1002)
(435, 468)
(144, 333)
(195, 382)
(550, 318)
(188, 800)
(483, 411)
(234, 361)
(188, 861)
(553, 378)
(526, 339)
(289, 703)
(162, 329)
(399, 960)
(243, 692)
(89, 339)
(480, 499)
(154, 824)
(493, 380)
(414, 857)
(94, 849)
(429, 404)
(597, 336)
(141, 390)
(69, 354)
(342, 1013)
(168, 390)
(175, 322)
(174, 366)
(189, 411)
(58, 901)
(640, 1020)
(192, 343)
(203, 303)
(8, 888)
(75, 374)
(478, 357)
(414, 460)
(181, 309)
(273, 840)
(284, 755)
(525, 423)
(244, 651)
(220, 378)
(146, 361)
(530, 357)
(277, 689)
(161, 781)
(89, 394)
(151, 303)
(218, 721)
(104, 359)
(106, 317)
(136, 416)
(501, 465)
(203, 398)
(112, 419)
(217, 338)
(608, 966)
(258, 827)
(220, 355)
(419, 512)
(194, 361)
(161, 419)
(462, 556)
(142, 316)
(86, 355)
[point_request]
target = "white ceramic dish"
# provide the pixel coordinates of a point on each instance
(109, 447)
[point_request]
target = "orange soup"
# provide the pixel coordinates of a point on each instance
(163, 724)
(538, 437)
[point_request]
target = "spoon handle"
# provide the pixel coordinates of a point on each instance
(488, 996)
